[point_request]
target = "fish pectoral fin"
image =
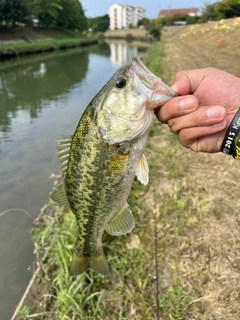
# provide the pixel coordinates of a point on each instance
(142, 170)
(97, 263)
(59, 195)
(122, 223)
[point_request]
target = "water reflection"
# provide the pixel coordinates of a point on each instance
(122, 52)
(27, 87)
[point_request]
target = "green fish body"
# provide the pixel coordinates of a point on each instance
(102, 158)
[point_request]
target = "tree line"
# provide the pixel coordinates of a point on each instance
(224, 9)
(67, 14)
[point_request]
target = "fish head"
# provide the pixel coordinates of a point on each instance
(126, 104)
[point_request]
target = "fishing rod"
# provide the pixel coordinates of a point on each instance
(156, 257)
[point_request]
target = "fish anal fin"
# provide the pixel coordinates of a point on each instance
(142, 170)
(97, 263)
(122, 223)
(59, 195)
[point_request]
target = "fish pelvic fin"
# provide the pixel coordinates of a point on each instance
(97, 263)
(122, 223)
(142, 170)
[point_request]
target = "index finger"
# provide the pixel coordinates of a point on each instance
(176, 107)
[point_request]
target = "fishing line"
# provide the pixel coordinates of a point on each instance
(13, 210)
(156, 257)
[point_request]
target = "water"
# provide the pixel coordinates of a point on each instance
(41, 98)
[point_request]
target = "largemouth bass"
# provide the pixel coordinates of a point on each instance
(102, 158)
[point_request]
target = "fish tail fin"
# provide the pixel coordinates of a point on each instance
(97, 263)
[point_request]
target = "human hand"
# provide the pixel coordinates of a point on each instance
(207, 102)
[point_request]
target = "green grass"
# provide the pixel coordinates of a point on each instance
(11, 50)
(153, 58)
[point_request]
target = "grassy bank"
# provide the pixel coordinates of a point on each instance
(130, 34)
(19, 49)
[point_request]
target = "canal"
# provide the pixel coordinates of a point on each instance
(41, 98)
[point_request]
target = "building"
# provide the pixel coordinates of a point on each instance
(121, 16)
(191, 12)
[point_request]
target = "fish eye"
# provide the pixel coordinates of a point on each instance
(120, 83)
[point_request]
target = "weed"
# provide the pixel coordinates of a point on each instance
(24, 314)
(175, 303)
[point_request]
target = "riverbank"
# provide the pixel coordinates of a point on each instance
(190, 205)
(129, 34)
(19, 42)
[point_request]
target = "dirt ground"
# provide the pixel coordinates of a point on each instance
(210, 263)
(206, 45)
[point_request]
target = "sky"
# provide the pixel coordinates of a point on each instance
(94, 8)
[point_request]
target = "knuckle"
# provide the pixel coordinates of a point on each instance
(184, 134)
(172, 126)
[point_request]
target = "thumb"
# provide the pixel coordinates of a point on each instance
(186, 82)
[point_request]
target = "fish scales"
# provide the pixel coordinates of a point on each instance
(92, 180)
(106, 152)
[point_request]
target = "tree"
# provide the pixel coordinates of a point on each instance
(194, 20)
(13, 12)
(209, 12)
(153, 26)
(145, 22)
(67, 14)
(72, 15)
(228, 8)
(99, 24)
(47, 11)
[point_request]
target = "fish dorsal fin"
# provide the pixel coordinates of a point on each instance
(63, 152)
(59, 195)
(122, 223)
(142, 170)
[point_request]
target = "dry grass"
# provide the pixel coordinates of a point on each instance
(213, 44)
(207, 257)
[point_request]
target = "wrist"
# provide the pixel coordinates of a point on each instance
(231, 141)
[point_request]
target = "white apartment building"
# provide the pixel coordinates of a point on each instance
(121, 16)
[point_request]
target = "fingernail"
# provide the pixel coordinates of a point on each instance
(187, 104)
(221, 124)
(215, 112)
(174, 88)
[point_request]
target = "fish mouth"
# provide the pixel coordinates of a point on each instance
(157, 91)
(147, 77)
